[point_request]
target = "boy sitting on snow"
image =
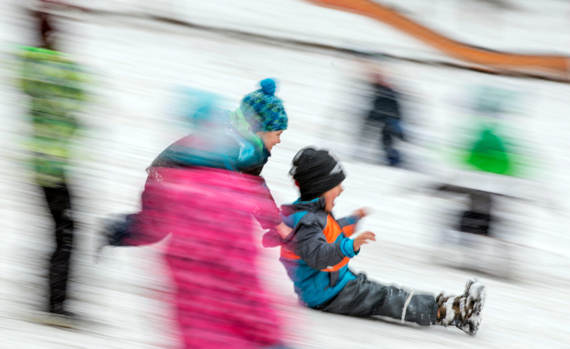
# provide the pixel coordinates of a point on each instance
(317, 252)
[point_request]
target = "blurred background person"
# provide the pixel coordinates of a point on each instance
(203, 190)
(489, 162)
(382, 120)
(54, 84)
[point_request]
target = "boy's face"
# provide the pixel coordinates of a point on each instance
(330, 196)
(270, 139)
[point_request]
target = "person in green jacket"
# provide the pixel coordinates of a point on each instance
(489, 153)
(53, 83)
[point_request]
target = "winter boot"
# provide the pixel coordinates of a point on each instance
(393, 158)
(463, 311)
(112, 233)
(56, 317)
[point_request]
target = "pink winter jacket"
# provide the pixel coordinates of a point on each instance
(211, 254)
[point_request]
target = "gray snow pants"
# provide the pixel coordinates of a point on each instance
(363, 298)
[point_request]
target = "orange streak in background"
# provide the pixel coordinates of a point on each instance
(552, 64)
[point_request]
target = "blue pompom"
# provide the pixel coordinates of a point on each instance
(268, 86)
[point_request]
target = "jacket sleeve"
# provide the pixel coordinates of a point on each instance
(313, 248)
(147, 226)
(348, 224)
(267, 213)
(396, 112)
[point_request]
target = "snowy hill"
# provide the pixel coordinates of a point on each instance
(138, 65)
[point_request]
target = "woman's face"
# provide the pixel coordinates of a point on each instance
(270, 139)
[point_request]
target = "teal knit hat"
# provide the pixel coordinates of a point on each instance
(263, 110)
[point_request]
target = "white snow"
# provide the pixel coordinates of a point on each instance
(138, 65)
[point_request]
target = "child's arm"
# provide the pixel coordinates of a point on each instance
(348, 224)
(269, 217)
(311, 245)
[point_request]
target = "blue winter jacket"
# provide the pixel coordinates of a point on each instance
(219, 141)
(317, 252)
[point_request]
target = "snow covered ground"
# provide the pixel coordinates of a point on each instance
(137, 67)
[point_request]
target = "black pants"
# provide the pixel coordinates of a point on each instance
(389, 129)
(475, 223)
(59, 204)
(364, 298)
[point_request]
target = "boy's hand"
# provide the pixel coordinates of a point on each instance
(362, 212)
(283, 230)
(363, 239)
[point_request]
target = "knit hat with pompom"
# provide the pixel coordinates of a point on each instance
(263, 110)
